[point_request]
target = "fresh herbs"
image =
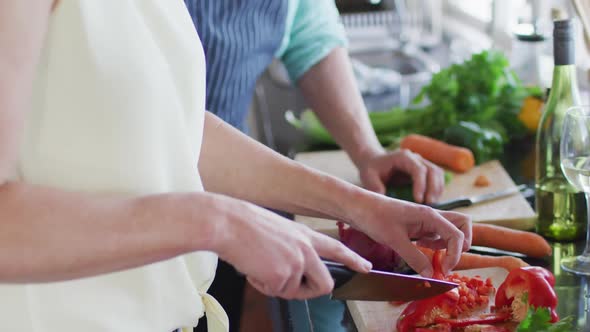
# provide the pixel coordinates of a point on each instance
(482, 90)
(539, 320)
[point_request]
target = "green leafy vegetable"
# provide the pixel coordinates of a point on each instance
(406, 192)
(485, 143)
(482, 90)
(539, 320)
(390, 126)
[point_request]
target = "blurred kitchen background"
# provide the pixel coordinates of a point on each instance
(396, 45)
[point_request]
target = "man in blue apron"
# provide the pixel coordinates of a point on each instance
(241, 38)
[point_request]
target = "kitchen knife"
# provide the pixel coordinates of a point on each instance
(382, 286)
(468, 201)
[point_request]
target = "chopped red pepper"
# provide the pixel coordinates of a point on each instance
(437, 259)
(490, 328)
(471, 295)
(436, 328)
(492, 318)
(422, 313)
(526, 287)
(523, 288)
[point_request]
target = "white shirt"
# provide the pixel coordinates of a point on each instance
(118, 106)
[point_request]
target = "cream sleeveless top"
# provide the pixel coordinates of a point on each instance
(118, 106)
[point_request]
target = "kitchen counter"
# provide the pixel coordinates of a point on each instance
(572, 291)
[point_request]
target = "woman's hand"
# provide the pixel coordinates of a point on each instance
(427, 178)
(276, 254)
(397, 224)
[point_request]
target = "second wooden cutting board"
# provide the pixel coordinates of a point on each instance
(513, 211)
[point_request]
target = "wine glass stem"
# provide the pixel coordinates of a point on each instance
(587, 249)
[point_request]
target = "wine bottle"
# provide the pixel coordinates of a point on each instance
(560, 206)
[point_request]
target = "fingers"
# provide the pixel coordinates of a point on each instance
(435, 231)
(414, 258)
(291, 287)
(412, 164)
(372, 181)
(259, 286)
(435, 243)
(453, 252)
(463, 223)
(436, 182)
(451, 234)
(427, 178)
(305, 276)
(334, 250)
(303, 291)
(317, 278)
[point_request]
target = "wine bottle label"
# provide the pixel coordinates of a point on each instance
(563, 42)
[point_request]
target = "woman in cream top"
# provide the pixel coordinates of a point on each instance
(118, 106)
(104, 150)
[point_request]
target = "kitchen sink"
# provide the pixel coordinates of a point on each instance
(414, 65)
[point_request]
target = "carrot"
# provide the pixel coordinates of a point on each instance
(482, 181)
(456, 158)
(499, 237)
(475, 261)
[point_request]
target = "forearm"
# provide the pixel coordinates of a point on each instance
(22, 31)
(330, 90)
(52, 235)
(235, 165)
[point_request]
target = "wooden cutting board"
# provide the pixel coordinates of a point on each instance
(512, 211)
(382, 316)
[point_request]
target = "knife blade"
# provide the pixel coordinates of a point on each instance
(383, 286)
(468, 201)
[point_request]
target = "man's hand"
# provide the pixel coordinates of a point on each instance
(427, 178)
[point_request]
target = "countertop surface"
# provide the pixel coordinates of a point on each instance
(572, 291)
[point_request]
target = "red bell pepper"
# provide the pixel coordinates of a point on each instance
(423, 313)
(526, 287)
(491, 328)
(437, 259)
(485, 319)
(523, 288)
(442, 310)
(436, 328)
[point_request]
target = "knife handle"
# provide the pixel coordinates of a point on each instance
(340, 273)
(452, 204)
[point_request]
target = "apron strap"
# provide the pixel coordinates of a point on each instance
(217, 320)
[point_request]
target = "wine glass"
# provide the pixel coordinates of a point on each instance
(575, 163)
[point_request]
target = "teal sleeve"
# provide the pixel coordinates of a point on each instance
(313, 30)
